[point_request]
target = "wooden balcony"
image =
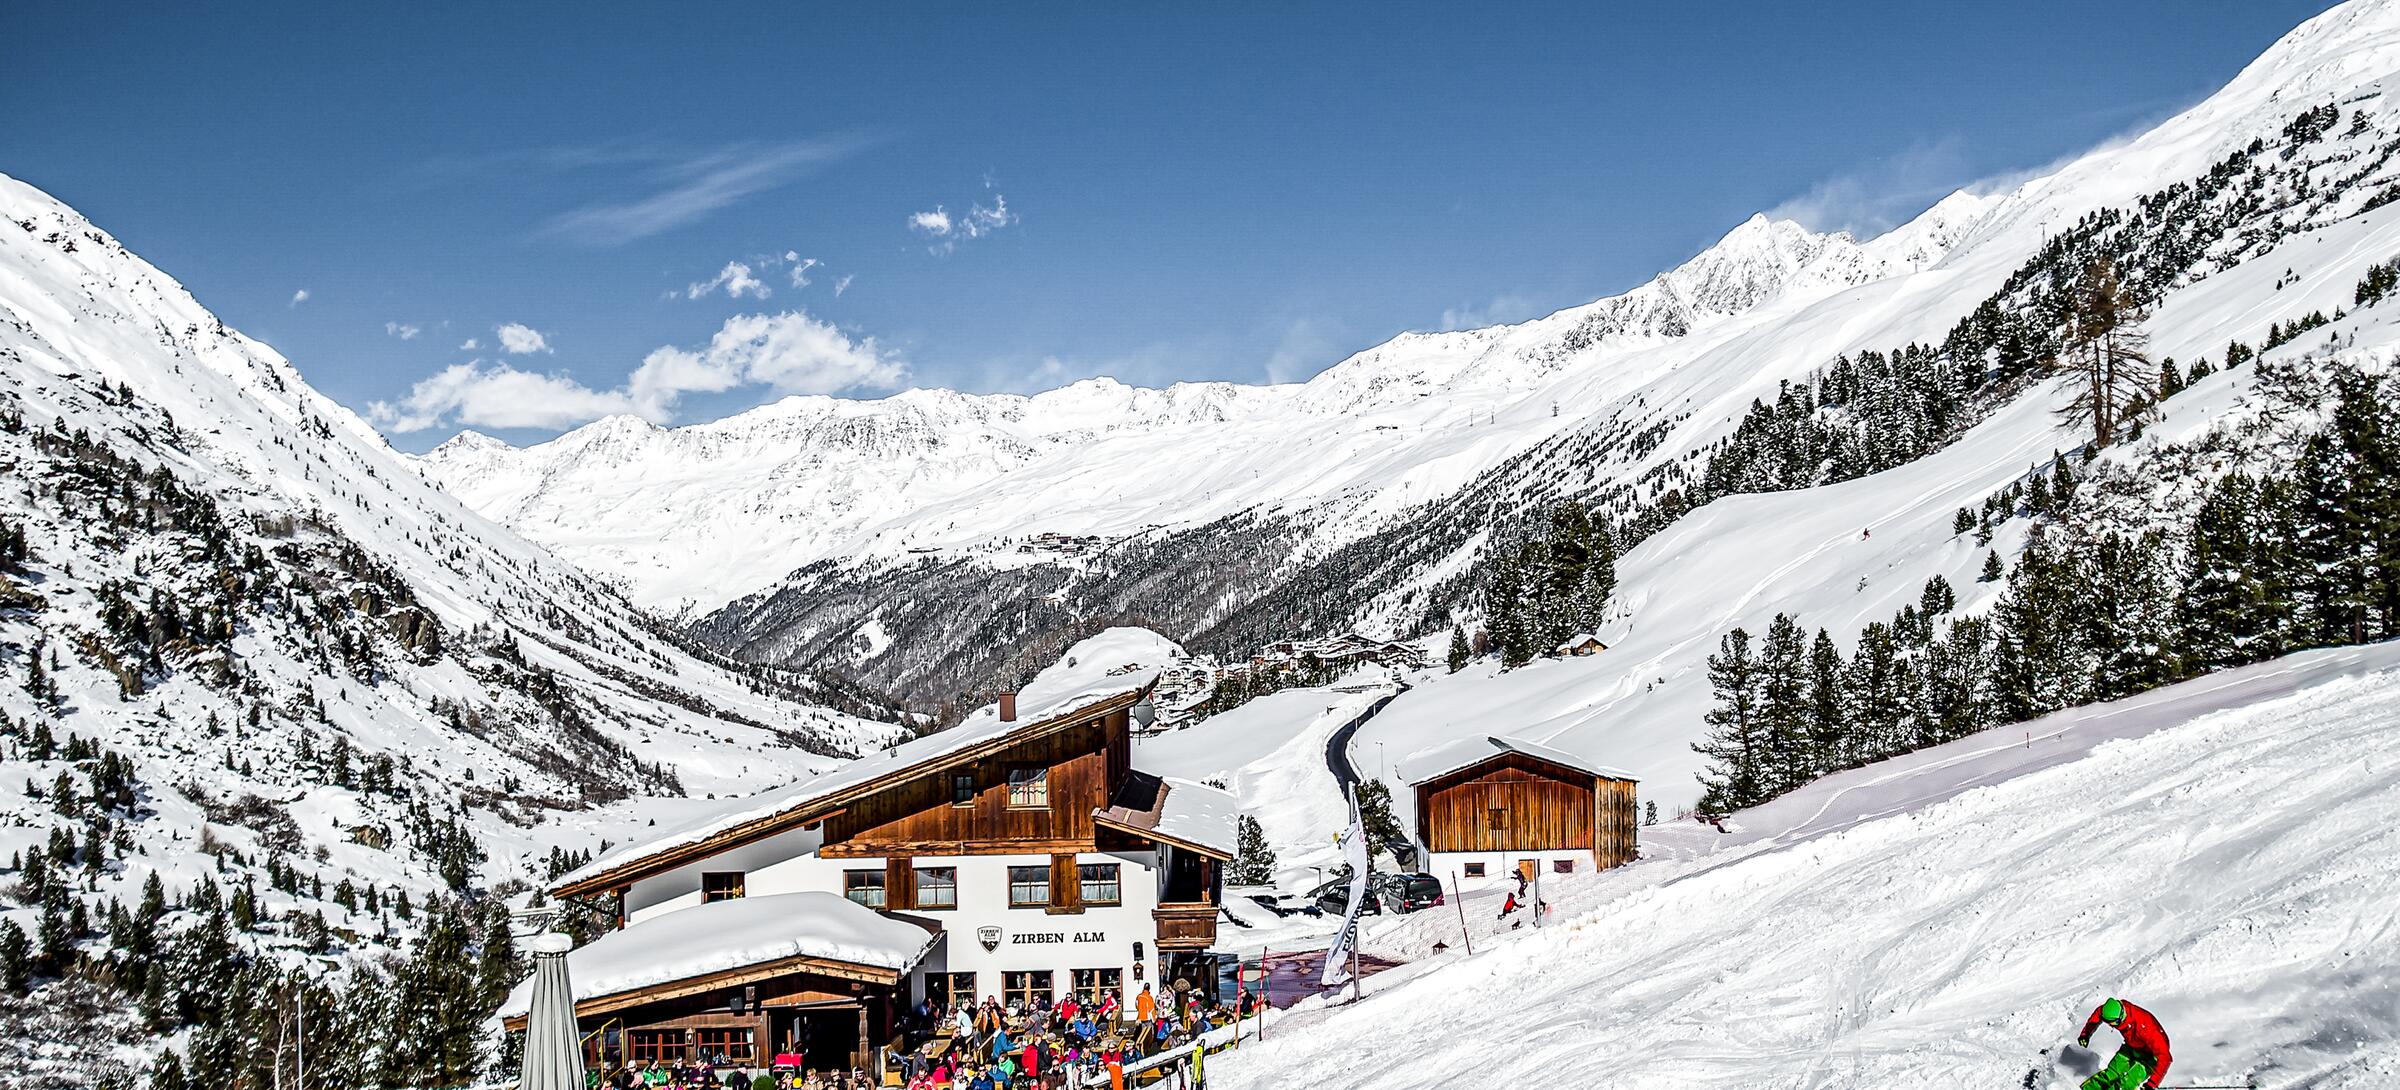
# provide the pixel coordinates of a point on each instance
(1186, 926)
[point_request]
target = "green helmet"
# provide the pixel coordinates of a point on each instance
(2112, 1012)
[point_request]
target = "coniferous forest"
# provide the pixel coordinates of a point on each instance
(2292, 553)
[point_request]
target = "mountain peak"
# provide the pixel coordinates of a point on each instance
(469, 441)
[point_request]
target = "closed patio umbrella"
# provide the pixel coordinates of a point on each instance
(553, 1047)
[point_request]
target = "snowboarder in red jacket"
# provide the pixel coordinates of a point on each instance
(2141, 1061)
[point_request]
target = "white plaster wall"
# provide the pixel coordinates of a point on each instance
(1096, 938)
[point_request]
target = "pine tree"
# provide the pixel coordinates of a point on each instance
(168, 1074)
(1375, 814)
(1938, 598)
(1254, 860)
(1992, 568)
(2103, 349)
(1830, 745)
(16, 958)
(1958, 670)
(1962, 523)
(2126, 616)
(1735, 744)
(1880, 695)
(2040, 667)
(1458, 648)
(1783, 707)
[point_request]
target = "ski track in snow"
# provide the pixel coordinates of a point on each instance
(2221, 851)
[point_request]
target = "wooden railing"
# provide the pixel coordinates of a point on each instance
(1185, 926)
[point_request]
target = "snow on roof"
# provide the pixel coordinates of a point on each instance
(1579, 639)
(1441, 760)
(1115, 662)
(1196, 813)
(734, 934)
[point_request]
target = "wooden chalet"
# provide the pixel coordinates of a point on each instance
(1491, 804)
(1027, 848)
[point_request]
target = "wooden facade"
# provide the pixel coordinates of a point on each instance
(1080, 767)
(1516, 802)
(909, 810)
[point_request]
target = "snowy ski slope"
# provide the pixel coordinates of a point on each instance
(2220, 851)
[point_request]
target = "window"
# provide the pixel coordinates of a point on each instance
(1562, 866)
(1029, 887)
(1019, 989)
(662, 1045)
(946, 990)
(1496, 817)
(723, 885)
(1100, 886)
(962, 789)
(1474, 870)
(937, 887)
(725, 1046)
(1091, 984)
(1028, 788)
(864, 887)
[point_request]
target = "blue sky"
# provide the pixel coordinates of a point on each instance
(684, 213)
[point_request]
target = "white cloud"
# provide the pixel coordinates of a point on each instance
(402, 330)
(470, 346)
(800, 267)
(737, 281)
(496, 395)
(1881, 194)
(1502, 310)
(1305, 348)
(936, 222)
(842, 285)
(948, 230)
(982, 221)
(685, 188)
(521, 340)
(298, 298)
(789, 353)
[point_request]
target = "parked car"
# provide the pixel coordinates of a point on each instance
(1404, 893)
(1333, 898)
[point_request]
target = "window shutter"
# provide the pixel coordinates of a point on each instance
(1066, 885)
(899, 884)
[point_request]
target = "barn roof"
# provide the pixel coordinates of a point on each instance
(1449, 757)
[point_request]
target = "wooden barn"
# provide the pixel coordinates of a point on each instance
(1491, 805)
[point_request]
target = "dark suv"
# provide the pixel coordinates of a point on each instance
(1408, 892)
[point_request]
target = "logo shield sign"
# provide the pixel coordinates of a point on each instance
(989, 936)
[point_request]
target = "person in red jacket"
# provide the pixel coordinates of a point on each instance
(2141, 1060)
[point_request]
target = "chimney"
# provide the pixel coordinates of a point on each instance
(1008, 707)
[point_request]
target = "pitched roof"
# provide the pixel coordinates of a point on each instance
(1449, 757)
(744, 820)
(1184, 813)
(737, 934)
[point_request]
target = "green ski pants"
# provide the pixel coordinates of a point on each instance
(2125, 1071)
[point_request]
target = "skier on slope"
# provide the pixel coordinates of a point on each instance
(2141, 1060)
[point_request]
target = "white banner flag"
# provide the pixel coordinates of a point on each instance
(1353, 842)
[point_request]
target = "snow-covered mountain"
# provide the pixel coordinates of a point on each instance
(1360, 497)
(701, 514)
(321, 669)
